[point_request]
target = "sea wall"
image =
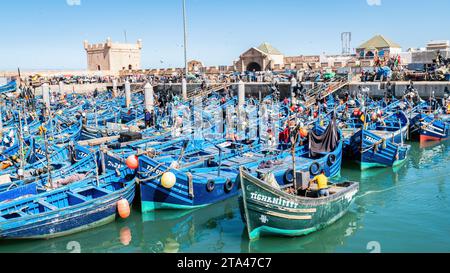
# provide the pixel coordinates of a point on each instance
(376, 89)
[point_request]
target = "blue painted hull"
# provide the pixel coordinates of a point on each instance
(154, 196)
(426, 128)
(370, 151)
(61, 223)
(67, 210)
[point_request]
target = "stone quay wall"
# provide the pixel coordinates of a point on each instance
(376, 89)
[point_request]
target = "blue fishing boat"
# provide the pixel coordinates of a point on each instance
(32, 214)
(429, 128)
(9, 87)
(322, 153)
(192, 187)
(380, 144)
(80, 163)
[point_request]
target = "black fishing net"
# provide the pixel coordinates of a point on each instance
(326, 142)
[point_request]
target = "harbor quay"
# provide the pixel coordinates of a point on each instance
(375, 89)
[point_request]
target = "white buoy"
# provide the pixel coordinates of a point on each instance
(241, 93)
(184, 89)
(114, 82)
(46, 95)
(128, 93)
(149, 97)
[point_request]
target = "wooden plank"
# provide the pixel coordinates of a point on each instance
(47, 205)
(98, 141)
(77, 191)
(287, 216)
(76, 195)
(21, 213)
(104, 190)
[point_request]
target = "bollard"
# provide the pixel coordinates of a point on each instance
(46, 95)
(128, 94)
(149, 96)
(114, 93)
(241, 93)
(184, 89)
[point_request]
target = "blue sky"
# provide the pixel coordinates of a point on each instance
(49, 34)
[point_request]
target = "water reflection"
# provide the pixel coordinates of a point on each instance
(387, 198)
(183, 231)
(114, 237)
(324, 241)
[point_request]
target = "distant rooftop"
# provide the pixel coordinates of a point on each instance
(379, 41)
(269, 49)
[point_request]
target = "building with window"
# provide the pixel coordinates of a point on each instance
(378, 46)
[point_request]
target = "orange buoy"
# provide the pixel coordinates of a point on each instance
(125, 236)
(132, 162)
(303, 132)
(123, 208)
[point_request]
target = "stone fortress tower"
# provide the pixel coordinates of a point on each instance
(113, 57)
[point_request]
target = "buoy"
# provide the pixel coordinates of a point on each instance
(132, 162)
(356, 112)
(316, 114)
(123, 208)
(168, 180)
(303, 132)
(125, 236)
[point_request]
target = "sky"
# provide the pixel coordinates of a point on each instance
(49, 34)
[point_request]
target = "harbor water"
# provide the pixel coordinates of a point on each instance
(405, 209)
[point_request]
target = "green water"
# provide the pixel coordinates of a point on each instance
(401, 210)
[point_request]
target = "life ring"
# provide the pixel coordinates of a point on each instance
(289, 176)
(229, 186)
(314, 169)
(210, 185)
(331, 160)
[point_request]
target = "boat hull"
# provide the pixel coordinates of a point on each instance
(68, 220)
(373, 151)
(187, 193)
(268, 211)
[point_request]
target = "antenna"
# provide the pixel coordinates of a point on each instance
(346, 39)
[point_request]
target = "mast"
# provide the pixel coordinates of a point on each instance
(21, 151)
(185, 40)
(47, 155)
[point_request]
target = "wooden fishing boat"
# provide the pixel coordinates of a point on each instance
(379, 144)
(9, 87)
(193, 187)
(326, 157)
(67, 210)
(271, 211)
(429, 128)
(80, 162)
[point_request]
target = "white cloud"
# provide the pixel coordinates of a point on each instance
(374, 2)
(73, 2)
